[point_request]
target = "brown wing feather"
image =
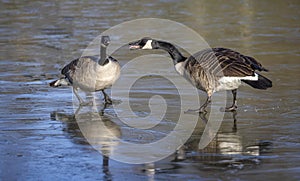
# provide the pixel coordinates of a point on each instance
(225, 62)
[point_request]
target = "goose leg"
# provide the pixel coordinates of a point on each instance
(202, 109)
(106, 98)
(233, 107)
(78, 109)
(81, 101)
(75, 90)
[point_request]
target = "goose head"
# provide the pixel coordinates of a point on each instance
(105, 41)
(144, 43)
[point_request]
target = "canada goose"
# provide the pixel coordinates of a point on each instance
(212, 70)
(90, 74)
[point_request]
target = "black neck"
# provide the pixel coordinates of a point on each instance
(103, 55)
(172, 50)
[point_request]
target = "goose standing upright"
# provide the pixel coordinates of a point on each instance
(91, 73)
(212, 70)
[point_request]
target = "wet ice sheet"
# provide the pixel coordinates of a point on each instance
(38, 38)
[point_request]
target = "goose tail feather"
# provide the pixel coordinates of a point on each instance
(59, 82)
(261, 83)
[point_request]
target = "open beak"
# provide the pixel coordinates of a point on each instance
(134, 45)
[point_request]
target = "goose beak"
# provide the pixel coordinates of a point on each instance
(134, 45)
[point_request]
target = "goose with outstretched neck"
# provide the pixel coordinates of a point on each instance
(212, 69)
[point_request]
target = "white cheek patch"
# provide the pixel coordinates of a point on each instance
(148, 45)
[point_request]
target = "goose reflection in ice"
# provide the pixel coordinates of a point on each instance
(97, 129)
(228, 148)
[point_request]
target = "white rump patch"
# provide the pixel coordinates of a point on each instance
(255, 77)
(230, 83)
(148, 45)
